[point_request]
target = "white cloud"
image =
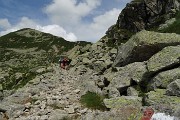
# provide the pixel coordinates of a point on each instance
(97, 28)
(4, 24)
(52, 29)
(26, 22)
(70, 12)
(103, 22)
(57, 31)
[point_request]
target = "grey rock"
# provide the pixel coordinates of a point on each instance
(70, 109)
(35, 81)
(74, 62)
(167, 58)
(124, 101)
(1, 87)
(18, 98)
(86, 61)
(132, 92)
(128, 76)
(89, 85)
(112, 92)
(115, 114)
(18, 76)
(8, 92)
(44, 117)
(86, 48)
(58, 115)
(74, 52)
(41, 70)
(173, 89)
(167, 24)
(77, 91)
(11, 108)
(109, 74)
(2, 79)
(143, 46)
(100, 83)
(163, 79)
(113, 51)
(158, 100)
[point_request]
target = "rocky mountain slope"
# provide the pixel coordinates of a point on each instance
(135, 65)
(25, 51)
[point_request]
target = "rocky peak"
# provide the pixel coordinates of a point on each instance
(144, 14)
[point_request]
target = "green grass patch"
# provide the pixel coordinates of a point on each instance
(93, 101)
(12, 83)
(25, 80)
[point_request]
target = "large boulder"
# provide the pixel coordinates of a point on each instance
(167, 58)
(132, 91)
(173, 89)
(129, 75)
(143, 46)
(163, 79)
(161, 102)
(125, 113)
(124, 101)
(11, 108)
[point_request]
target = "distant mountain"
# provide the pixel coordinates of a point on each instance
(26, 49)
(30, 38)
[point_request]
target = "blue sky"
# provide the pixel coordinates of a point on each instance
(74, 20)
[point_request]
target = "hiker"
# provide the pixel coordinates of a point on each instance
(64, 63)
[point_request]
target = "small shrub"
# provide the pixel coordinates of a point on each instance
(93, 101)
